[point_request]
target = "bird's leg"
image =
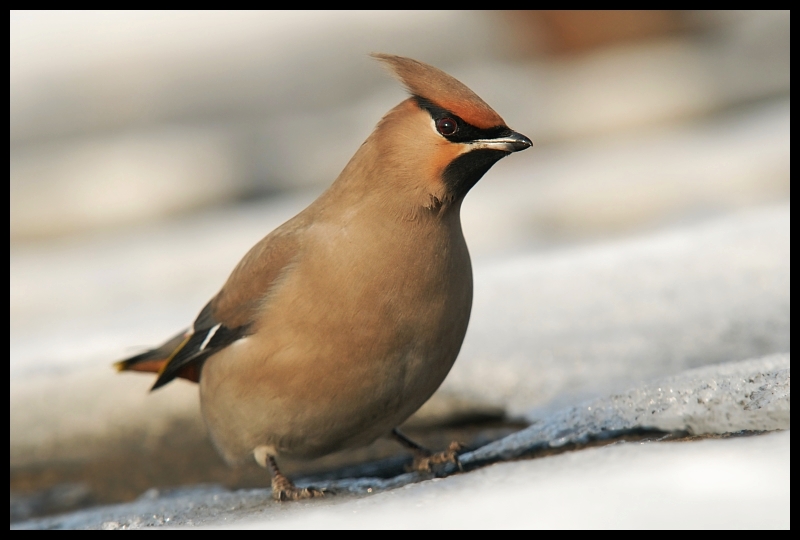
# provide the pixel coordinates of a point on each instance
(283, 489)
(424, 459)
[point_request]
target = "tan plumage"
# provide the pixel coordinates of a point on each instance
(343, 321)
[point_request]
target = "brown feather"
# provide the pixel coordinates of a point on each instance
(240, 299)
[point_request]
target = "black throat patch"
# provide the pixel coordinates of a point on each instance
(464, 172)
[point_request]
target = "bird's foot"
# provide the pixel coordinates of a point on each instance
(425, 462)
(284, 490)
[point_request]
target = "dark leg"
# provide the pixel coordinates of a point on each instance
(424, 459)
(283, 489)
(408, 443)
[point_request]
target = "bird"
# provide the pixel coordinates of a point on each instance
(339, 324)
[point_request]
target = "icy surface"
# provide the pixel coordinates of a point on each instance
(733, 483)
(752, 395)
(739, 483)
(748, 395)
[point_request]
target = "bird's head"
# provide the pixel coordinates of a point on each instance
(438, 143)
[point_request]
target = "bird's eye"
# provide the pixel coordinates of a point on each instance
(446, 126)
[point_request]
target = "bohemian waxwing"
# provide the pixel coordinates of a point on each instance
(343, 321)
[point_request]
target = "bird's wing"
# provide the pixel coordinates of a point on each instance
(227, 317)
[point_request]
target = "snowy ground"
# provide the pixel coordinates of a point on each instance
(730, 483)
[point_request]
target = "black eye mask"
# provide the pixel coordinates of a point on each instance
(465, 132)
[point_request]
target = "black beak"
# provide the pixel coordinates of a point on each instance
(517, 141)
(513, 142)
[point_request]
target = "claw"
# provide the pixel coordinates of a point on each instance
(284, 490)
(292, 493)
(425, 463)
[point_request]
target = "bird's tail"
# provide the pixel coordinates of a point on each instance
(154, 360)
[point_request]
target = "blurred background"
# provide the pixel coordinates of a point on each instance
(150, 150)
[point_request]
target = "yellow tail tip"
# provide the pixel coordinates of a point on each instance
(121, 365)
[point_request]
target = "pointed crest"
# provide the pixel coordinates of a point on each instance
(440, 88)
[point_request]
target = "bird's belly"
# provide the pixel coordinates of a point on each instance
(330, 380)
